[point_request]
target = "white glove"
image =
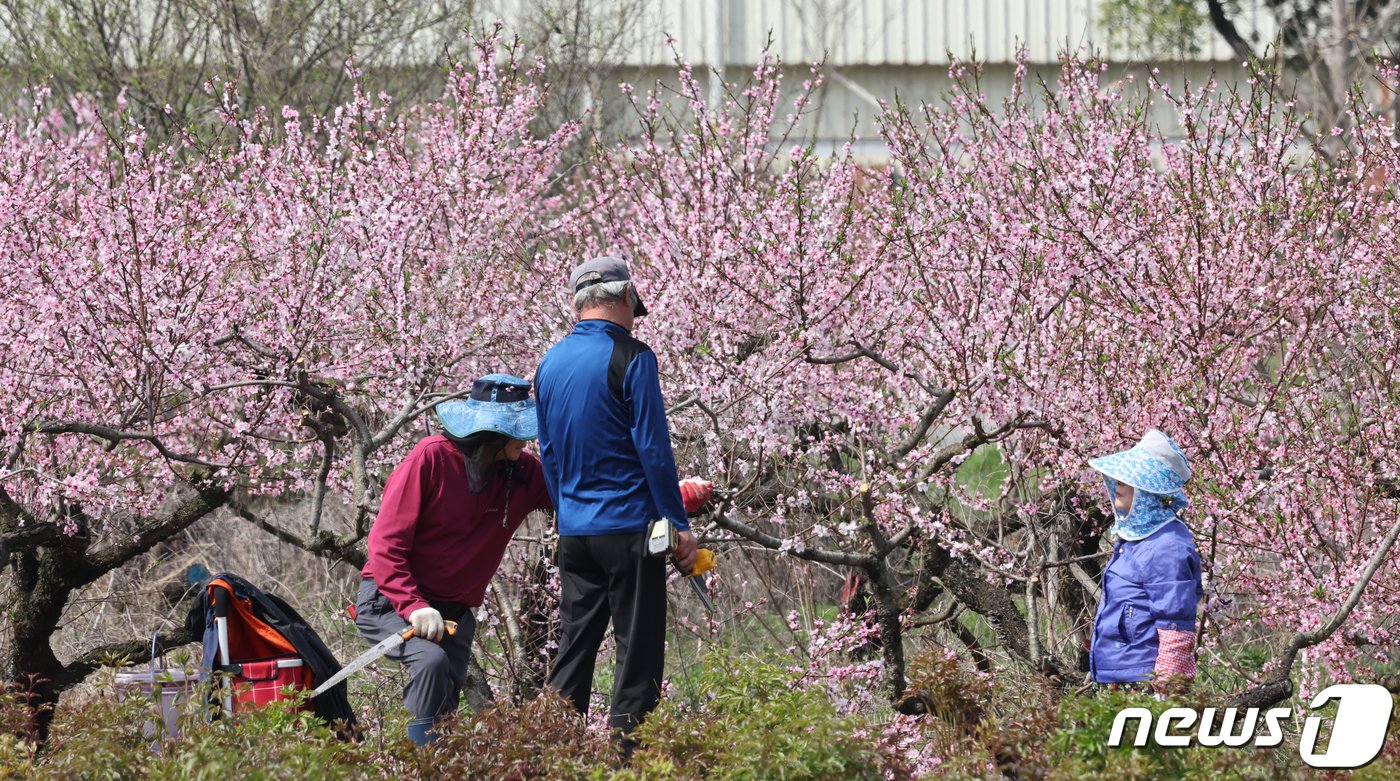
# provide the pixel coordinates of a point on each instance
(427, 623)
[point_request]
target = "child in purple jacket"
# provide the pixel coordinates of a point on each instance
(1145, 628)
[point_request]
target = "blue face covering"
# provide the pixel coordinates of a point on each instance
(1149, 512)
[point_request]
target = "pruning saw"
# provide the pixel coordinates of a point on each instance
(379, 649)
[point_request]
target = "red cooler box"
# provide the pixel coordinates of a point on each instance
(260, 681)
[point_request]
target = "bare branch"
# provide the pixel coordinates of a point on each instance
(975, 438)
(359, 454)
(323, 544)
(840, 558)
(1070, 562)
(237, 336)
(994, 603)
(318, 496)
(33, 536)
(902, 535)
(916, 437)
(1277, 686)
(270, 383)
(865, 352)
(871, 526)
(208, 497)
(411, 412)
(11, 514)
(135, 651)
(116, 436)
(17, 450)
(950, 610)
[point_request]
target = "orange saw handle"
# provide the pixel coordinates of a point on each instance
(448, 627)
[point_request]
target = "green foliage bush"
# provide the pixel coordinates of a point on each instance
(979, 726)
(272, 742)
(540, 738)
(752, 721)
(1079, 745)
(107, 737)
(15, 751)
(748, 719)
(104, 739)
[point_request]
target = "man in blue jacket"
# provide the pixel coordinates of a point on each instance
(606, 449)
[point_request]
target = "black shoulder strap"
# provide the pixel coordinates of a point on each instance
(625, 348)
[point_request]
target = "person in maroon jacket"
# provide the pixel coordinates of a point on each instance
(447, 514)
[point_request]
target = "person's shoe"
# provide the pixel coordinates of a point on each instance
(420, 731)
(626, 745)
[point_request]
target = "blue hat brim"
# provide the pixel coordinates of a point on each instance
(1139, 469)
(463, 418)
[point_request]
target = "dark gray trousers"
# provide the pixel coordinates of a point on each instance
(606, 578)
(436, 671)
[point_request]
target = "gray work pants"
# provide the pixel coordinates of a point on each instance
(436, 671)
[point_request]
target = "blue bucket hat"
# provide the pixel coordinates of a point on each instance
(499, 403)
(1157, 470)
(1155, 465)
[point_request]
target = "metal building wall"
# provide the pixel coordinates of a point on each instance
(884, 48)
(877, 32)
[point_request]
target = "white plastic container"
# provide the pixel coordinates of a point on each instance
(172, 687)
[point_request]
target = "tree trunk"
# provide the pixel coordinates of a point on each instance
(888, 610)
(995, 604)
(42, 590)
(47, 574)
(475, 690)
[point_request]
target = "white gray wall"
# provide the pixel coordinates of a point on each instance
(882, 48)
(875, 32)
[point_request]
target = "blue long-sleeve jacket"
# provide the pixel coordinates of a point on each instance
(604, 439)
(1149, 584)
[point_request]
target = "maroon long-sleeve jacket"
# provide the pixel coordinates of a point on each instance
(435, 540)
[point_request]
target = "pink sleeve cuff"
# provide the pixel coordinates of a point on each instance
(1176, 654)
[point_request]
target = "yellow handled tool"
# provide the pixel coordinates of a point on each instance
(661, 541)
(704, 562)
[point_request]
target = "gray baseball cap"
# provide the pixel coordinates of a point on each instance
(605, 268)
